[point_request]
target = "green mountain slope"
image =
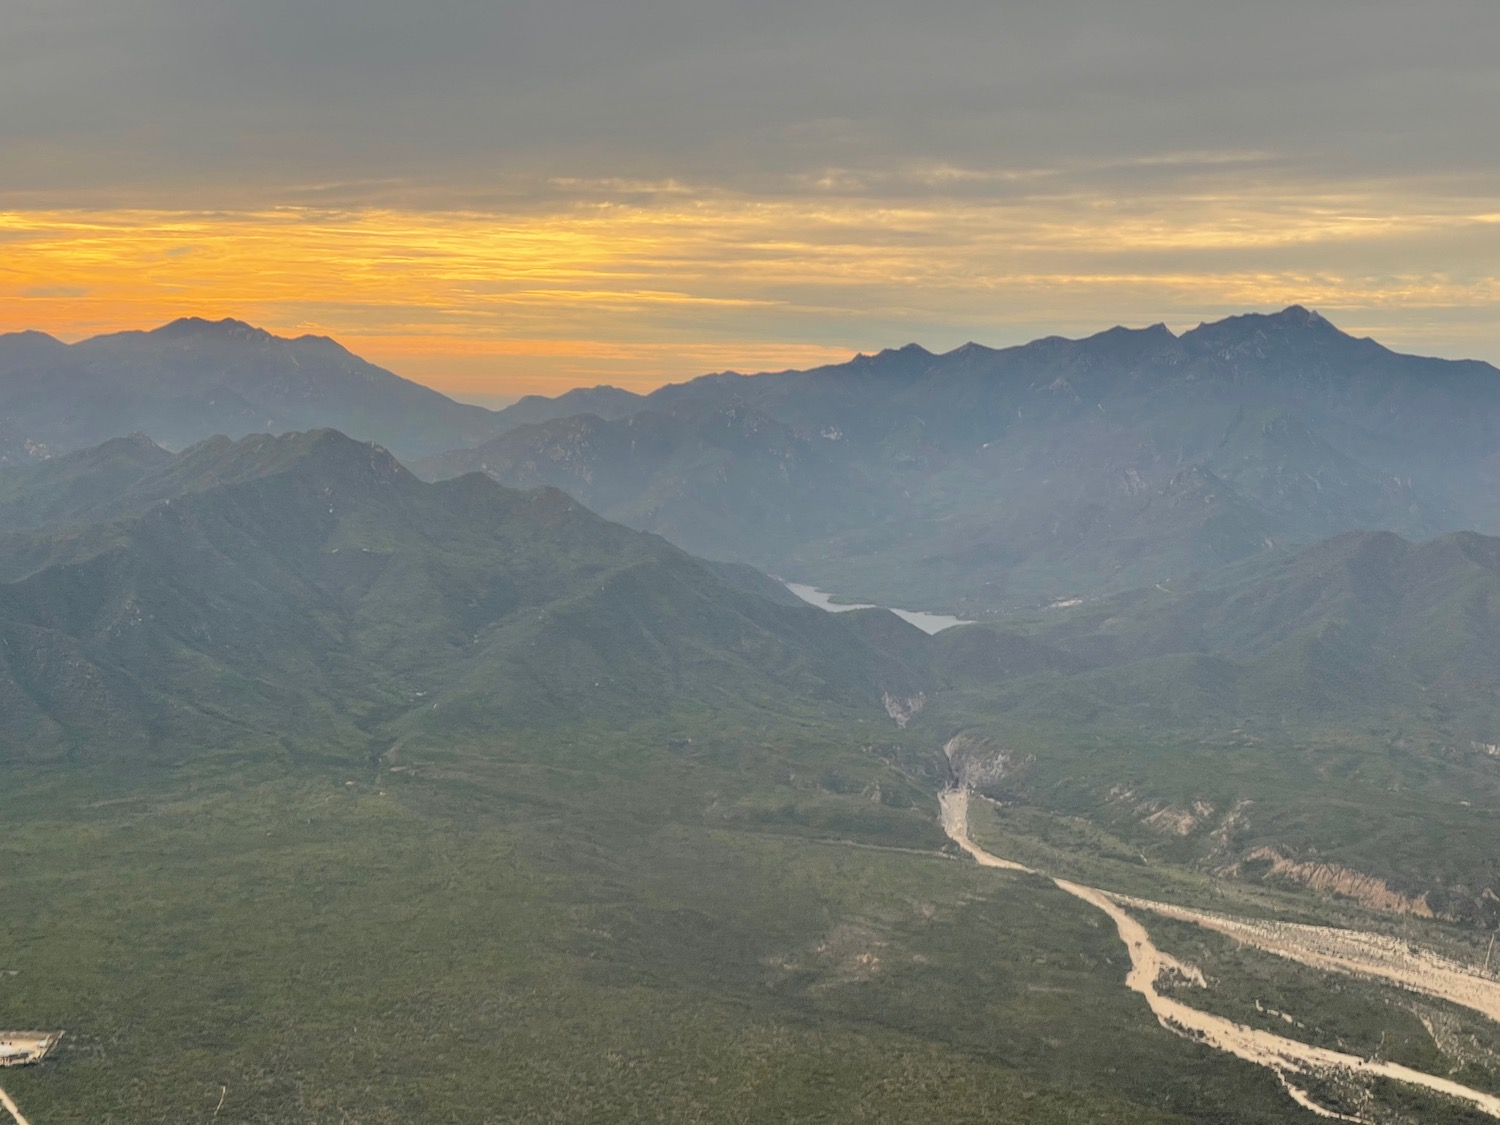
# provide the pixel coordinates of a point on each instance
(79, 487)
(308, 591)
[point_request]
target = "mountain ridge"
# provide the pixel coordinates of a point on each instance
(192, 378)
(312, 578)
(1051, 469)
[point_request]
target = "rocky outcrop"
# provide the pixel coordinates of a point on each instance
(1180, 822)
(903, 710)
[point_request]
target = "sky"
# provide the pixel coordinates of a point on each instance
(499, 197)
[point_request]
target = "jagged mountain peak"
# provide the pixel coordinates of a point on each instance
(1120, 332)
(969, 351)
(189, 327)
(1294, 322)
(886, 355)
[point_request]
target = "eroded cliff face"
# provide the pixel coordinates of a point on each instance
(1220, 834)
(1333, 878)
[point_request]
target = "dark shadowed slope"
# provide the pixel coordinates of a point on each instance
(986, 479)
(729, 483)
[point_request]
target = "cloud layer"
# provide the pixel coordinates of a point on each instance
(505, 197)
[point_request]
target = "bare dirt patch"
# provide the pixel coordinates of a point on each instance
(22, 1048)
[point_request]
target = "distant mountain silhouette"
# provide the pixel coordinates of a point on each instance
(980, 480)
(194, 378)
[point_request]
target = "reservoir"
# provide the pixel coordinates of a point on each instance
(927, 622)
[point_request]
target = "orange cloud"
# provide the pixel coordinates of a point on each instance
(486, 304)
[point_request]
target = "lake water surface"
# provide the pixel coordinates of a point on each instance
(927, 622)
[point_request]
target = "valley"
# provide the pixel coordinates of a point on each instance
(444, 926)
(320, 766)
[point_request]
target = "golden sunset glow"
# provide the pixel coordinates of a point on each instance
(639, 293)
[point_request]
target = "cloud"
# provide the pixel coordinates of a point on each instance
(53, 292)
(208, 104)
(657, 286)
(646, 185)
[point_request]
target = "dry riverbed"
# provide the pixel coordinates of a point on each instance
(1343, 951)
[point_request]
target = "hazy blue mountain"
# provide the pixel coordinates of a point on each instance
(601, 402)
(980, 480)
(715, 481)
(987, 479)
(194, 378)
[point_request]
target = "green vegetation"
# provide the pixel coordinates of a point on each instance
(1324, 717)
(606, 927)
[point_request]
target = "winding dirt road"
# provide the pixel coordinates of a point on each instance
(1292, 1061)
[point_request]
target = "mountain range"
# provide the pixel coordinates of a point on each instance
(979, 481)
(307, 595)
(1247, 536)
(983, 480)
